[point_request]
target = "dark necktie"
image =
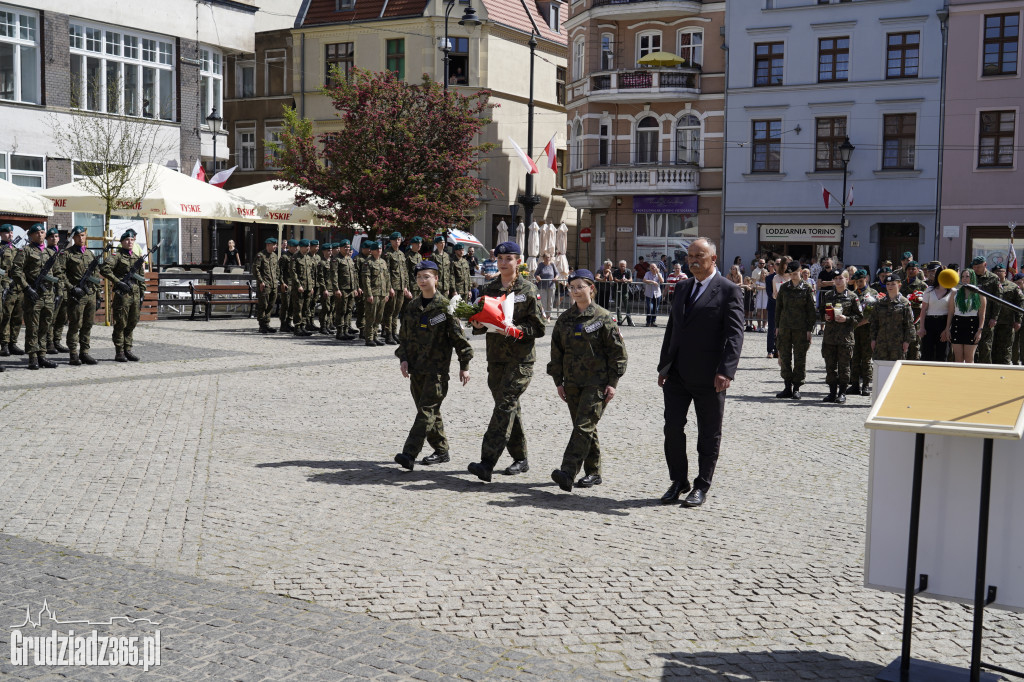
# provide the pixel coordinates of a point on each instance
(696, 292)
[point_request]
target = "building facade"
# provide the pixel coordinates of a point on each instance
(645, 140)
(805, 75)
(405, 36)
(984, 96)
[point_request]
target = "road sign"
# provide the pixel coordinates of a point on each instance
(585, 235)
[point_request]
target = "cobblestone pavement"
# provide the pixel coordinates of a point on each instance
(265, 462)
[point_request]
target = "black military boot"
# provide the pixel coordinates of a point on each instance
(787, 392)
(854, 388)
(865, 388)
(61, 348)
(15, 350)
(264, 329)
(86, 358)
(379, 341)
(74, 360)
(340, 336)
(5, 350)
(392, 340)
(796, 392)
(831, 397)
(33, 363)
(119, 356)
(130, 355)
(841, 398)
(46, 362)
(51, 349)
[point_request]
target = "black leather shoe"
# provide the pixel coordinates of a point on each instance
(831, 397)
(87, 359)
(74, 360)
(786, 392)
(370, 343)
(695, 498)
(563, 480)
(589, 481)
(378, 342)
(436, 458)
(130, 355)
(51, 350)
(480, 470)
(405, 460)
(520, 466)
(674, 491)
(119, 356)
(32, 362)
(46, 362)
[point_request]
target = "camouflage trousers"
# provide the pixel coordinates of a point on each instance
(837, 363)
(1002, 344)
(10, 324)
(284, 298)
(326, 316)
(861, 369)
(393, 312)
(343, 311)
(914, 350)
(60, 320)
(984, 352)
(793, 346)
(38, 316)
(309, 301)
(428, 392)
(586, 405)
(359, 310)
(507, 382)
(373, 312)
(126, 315)
(265, 305)
(299, 304)
(80, 319)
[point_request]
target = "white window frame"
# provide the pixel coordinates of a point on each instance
(650, 37)
(695, 53)
(11, 175)
(576, 148)
(24, 40)
(607, 52)
(240, 68)
(271, 133)
(578, 54)
(134, 49)
(242, 145)
(699, 161)
(211, 74)
(657, 140)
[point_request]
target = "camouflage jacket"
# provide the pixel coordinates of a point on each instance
(73, 262)
(1009, 292)
(587, 348)
(300, 273)
(461, 280)
(284, 265)
(892, 325)
(57, 287)
(26, 267)
(907, 288)
(412, 259)
(343, 275)
(428, 335)
(323, 275)
(847, 303)
(794, 307)
(7, 264)
(990, 283)
(398, 270)
(444, 271)
(374, 278)
(116, 265)
(267, 269)
(526, 315)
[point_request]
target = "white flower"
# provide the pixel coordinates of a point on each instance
(452, 303)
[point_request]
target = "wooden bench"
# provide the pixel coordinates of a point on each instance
(209, 295)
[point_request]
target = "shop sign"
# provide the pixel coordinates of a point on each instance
(799, 233)
(666, 203)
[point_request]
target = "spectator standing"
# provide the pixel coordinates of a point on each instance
(674, 277)
(934, 314)
(664, 265)
(623, 278)
(770, 279)
(605, 283)
(815, 268)
(963, 320)
(489, 268)
(738, 263)
(759, 275)
(640, 268)
(652, 293)
(545, 275)
(474, 264)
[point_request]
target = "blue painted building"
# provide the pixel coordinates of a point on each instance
(805, 75)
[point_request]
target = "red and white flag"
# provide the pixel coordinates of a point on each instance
(825, 194)
(1011, 259)
(849, 196)
(220, 178)
(552, 155)
(198, 173)
(531, 167)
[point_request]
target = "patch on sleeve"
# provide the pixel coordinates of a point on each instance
(593, 326)
(437, 319)
(520, 298)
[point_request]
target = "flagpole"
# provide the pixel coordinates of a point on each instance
(530, 200)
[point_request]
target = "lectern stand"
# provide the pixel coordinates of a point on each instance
(952, 402)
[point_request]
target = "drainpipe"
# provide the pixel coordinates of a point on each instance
(302, 77)
(725, 145)
(943, 15)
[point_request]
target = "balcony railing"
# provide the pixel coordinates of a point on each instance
(643, 81)
(635, 179)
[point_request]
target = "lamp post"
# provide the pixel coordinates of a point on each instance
(215, 122)
(469, 18)
(529, 200)
(845, 151)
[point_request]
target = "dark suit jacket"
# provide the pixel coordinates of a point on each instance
(706, 340)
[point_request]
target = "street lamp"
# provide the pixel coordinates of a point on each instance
(530, 200)
(845, 152)
(215, 122)
(469, 18)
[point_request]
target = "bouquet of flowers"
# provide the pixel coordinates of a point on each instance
(493, 313)
(916, 298)
(868, 303)
(524, 270)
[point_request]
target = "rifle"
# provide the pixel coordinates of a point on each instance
(89, 277)
(3, 248)
(125, 285)
(44, 277)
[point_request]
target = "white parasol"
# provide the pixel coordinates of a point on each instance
(521, 236)
(15, 199)
(533, 247)
(170, 195)
(547, 240)
(278, 205)
(562, 239)
(502, 232)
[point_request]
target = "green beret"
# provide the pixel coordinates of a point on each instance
(314, 242)
(6, 227)
(303, 242)
(977, 260)
(907, 255)
(78, 229)
(53, 232)
(439, 239)
(271, 240)
(395, 235)
(35, 228)
(860, 273)
(128, 234)
(372, 245)
(460, 247)
(912, 264)
(293, 242)
(365, 244)
(998, 266)
(344, 242)
(417, 240)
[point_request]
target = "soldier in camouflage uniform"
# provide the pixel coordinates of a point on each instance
(60, 300)
(795, 318)
(285, 267)
(861, 369)
(1007, 320)
(11, 315)
(310, 297)
(987, 282)
(413, 256)
(837, 339)
(37, 304)
(1017, 355)
(462, 280)
(127, 295)
(509, 365)
(444, 267)
(324, 290)
(398, 270)
(73, 263)
(912, 281)
(375, 281)
(588, 357)
(892, 324)
(266, 269)
(360, 304)
(345, 281)
(301, 282)
(425, 343)
(901, 270)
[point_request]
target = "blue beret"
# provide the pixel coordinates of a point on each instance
(77, 230)
(1019, 276)
(395, 235)
(508, 247)
(6, 227)
(439, 239)
(303, 242)
(977, 260)
(582, 273)
(271, 240)
(860, 273)
(344, 242)
(417, 240)
(53, 232)
(37, 228)
(793, 266)
(293, 242)
(314, 242)
(890, 278)
(425, 265)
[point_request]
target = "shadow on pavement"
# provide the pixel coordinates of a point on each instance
(543, 494)
(767, 666)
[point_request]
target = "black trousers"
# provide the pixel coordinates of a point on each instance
(932, 349)
(710, 408)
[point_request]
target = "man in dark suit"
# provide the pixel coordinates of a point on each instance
(699, 356)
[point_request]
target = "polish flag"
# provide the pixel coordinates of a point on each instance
(198, 173)
(825, 194)
(1011, 259)
(531, 167)
(849, 196)
(220, 178)
(552, 155)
